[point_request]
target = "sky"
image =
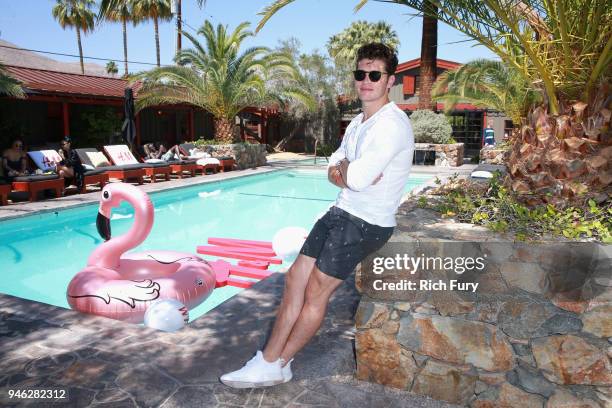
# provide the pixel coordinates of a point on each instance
(29, 24)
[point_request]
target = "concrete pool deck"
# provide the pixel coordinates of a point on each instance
(106, 363)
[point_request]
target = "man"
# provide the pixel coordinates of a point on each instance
(371, 166)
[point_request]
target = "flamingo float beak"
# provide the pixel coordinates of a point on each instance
(103, 224)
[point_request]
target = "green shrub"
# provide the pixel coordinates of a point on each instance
(430, 127)
(496, 208)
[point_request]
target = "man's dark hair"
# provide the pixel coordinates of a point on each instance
(378, 51)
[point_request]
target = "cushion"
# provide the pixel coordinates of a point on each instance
(46, 160)
(88, 167)
(120, 155)
(208, 160)
(154, 161)
(36, 178)
(97, 159)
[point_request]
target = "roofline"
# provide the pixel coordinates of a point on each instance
(413, 63)
(67, 73)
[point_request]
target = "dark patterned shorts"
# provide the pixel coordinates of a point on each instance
(339, 241)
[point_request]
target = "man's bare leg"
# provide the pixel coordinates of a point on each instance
(319, 289)
(291, 305)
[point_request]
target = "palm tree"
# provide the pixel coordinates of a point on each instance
(111, 68)
(78, 14)
(219, 79)
(9, 86)
(564, 49)
(121, 11)
(155, 10)
(429, 57)
(487, 84)
(343, 47)
(179, 14)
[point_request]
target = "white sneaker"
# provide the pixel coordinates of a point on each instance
(257, 372)
(286, 370)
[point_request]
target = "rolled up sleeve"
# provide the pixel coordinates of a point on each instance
(338, 154)
(387, 144)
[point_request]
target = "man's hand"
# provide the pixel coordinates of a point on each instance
(334, 176)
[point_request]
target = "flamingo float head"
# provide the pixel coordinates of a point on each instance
(112, 196)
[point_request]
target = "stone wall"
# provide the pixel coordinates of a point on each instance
(246, 155)
(537, 332)
(492, 155)
(447, 155)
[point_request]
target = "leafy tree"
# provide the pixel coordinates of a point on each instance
(223, 81)
(77, 14)
(120, 11)
(155, 10)
(9, 86)
(111, 68)
(487, 84)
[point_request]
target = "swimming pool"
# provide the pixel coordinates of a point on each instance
(40, 254)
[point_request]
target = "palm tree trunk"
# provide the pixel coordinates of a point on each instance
(125, 57)
(224, 130)
(80, 50)
(429, 51)
(155, 23)
(178, 26)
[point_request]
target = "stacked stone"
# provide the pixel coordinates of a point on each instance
(447, 155)
(245, 155)
(518, 341)
(491, 155)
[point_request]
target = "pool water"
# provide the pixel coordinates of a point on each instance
(40, 254)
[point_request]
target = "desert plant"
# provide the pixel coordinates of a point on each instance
(430, 127)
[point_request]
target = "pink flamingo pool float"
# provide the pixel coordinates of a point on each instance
(122, 285)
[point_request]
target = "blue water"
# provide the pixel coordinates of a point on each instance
(40, 254)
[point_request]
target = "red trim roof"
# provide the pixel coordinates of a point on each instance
(440, 107)
(415, 63)
(53, 82)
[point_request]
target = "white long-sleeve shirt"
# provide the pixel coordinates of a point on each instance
(384, 143)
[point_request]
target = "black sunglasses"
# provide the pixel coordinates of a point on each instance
(374, 76)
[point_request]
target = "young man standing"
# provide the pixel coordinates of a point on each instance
(371, 167)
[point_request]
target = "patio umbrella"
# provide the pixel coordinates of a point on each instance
(128, 128)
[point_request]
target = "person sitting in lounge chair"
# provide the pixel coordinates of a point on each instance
(70, 168)
(151, 151)
(14, 160)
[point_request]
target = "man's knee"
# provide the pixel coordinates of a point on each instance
(320, 288)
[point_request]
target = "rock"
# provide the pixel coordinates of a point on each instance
(380, 359)
(491, 378)
(562, 324)
(508, 396)
(456, 340)
(371, 314)
(402, 306)
(598, 321)
(523, 319)
(450, 303)
(568, 359)
(565, 399)
(444, 382)
(527, 276)
(531, 381)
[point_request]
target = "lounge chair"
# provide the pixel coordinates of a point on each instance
(47, 160)
(5, 190)
(122, 156)
(203, 163)
(99, 161)
(177, 166)
(35, 183)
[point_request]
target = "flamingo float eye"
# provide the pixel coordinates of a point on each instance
(199, 282)
(106, 195)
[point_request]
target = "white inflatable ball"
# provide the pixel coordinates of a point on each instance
(166, 314)
(288, 241)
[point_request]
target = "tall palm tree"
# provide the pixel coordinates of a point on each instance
(343, 46)
(9, 86)
(120, 11)
(564, 49)
(155, 10)
(77, 14)
(487, 84)
(179, 17)
(223, 81)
